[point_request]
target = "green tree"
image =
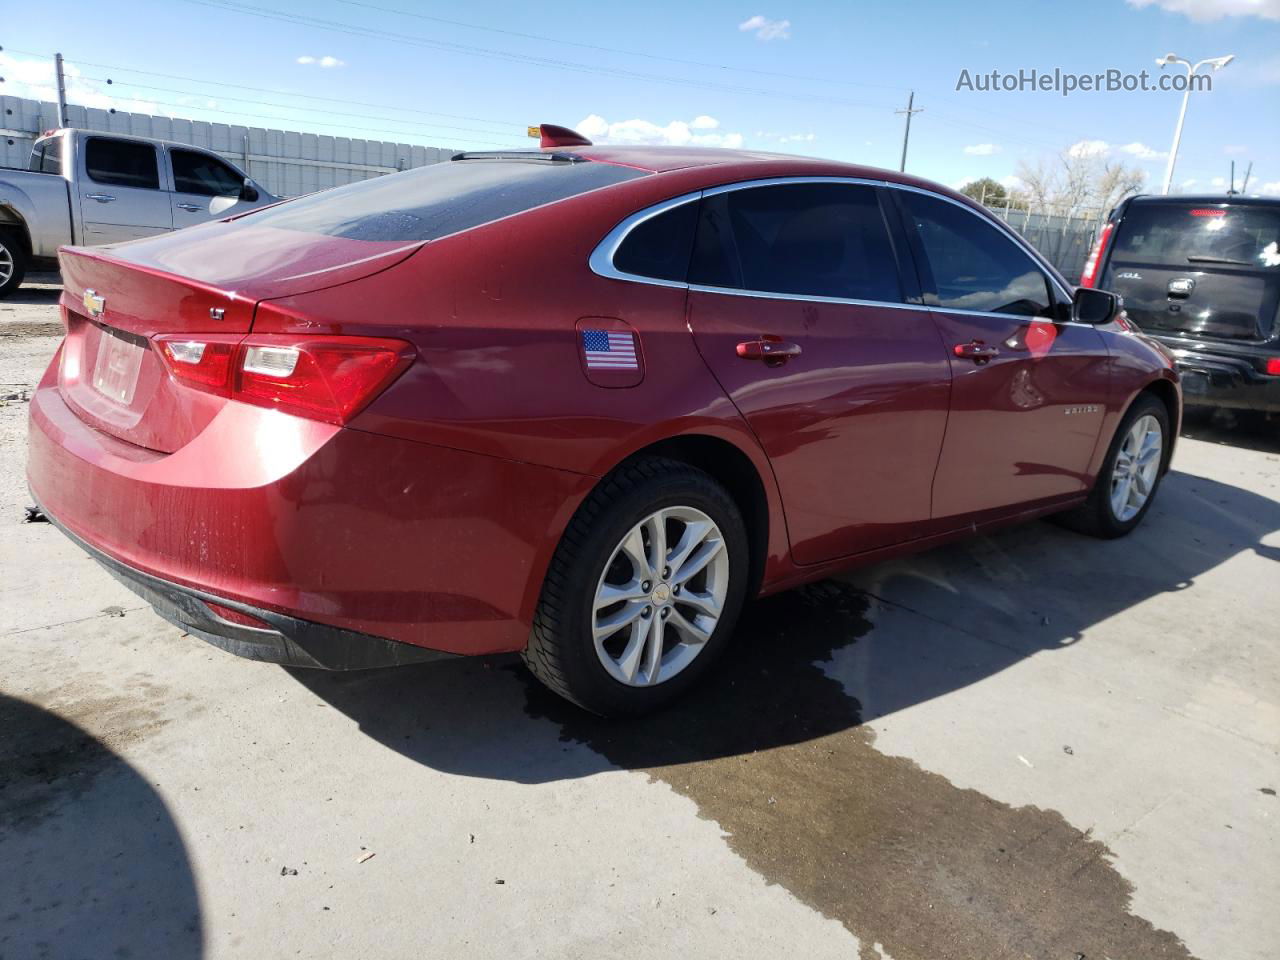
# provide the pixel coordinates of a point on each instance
(986, 191)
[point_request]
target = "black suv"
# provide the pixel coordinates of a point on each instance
(1202, 276)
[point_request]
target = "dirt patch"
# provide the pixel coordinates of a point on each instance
(772, 750)
(30, 328)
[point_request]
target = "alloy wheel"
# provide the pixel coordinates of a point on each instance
(1137, 466)
(660, 596)
(6, 265)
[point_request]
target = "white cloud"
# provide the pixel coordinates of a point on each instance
(786, 137)
(34, 80)
(1234, 149)
(1142, 151)
(1088, 148)
(766, 29)
(325, 62)
(1205, 10)
(1012, 183)
(677, 133)
(982, 149)
(1188, 184)
(1218, 182)
(1271, 189)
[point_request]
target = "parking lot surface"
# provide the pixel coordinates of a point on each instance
(1032, 744)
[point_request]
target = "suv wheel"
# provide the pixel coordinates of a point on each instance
(644, 589)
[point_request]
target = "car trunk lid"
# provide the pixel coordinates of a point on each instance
(203, 281)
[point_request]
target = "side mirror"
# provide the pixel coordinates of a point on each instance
(248, 192)
(1094, 307)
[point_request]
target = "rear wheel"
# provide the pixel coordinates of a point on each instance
(1130, 475)
(644, 589)
(13, 262)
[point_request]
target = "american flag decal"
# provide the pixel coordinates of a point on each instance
(606, 350)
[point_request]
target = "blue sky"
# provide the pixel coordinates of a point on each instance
(801, 76)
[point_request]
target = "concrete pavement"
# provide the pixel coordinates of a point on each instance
(1028, 745)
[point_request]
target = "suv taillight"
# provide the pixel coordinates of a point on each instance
(324, 378)
(1090, 275)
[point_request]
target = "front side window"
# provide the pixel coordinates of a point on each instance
(202, 174)
(122, 163)
(974, 265)
(806, 239)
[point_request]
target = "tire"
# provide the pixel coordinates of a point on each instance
(563, 651)
(13, 262)
(1098, 516)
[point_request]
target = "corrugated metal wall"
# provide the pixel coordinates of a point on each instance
(286, 163)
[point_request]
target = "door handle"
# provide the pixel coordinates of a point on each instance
(100, 197)
(189, 207)
(774, 351)
(976, 350)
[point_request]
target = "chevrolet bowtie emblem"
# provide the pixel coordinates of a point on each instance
(94, 303)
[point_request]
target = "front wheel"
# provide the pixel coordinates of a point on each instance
(1130, 475)
(644, 589)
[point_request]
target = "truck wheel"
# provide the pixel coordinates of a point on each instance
(1130, 475)
(13, 263)
(644, 589)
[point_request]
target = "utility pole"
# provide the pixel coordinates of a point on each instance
(906, 134)
(62, 90)
(1231, 190)
(1244, 187)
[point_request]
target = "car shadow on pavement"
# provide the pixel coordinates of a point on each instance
(1232, 428)
(773, 747)
(29, 295)
(999, 599)
(91, 861)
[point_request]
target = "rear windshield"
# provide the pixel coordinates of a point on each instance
(434, 201)
(1177, 234)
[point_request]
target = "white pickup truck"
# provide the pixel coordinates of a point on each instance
(87, 188)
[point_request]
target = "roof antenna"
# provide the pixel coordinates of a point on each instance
(555, 136)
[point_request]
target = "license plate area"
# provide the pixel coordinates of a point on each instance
(119, 360)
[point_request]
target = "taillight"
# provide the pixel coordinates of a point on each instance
(1273, 366)
(1090, 275)
(324, 378)
(203, 363)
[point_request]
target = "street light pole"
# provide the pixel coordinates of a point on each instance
(1169, 58)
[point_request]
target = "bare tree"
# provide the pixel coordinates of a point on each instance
(1076, 180)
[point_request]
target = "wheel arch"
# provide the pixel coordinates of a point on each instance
(732, 468)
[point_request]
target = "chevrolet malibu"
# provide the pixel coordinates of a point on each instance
(580, 402)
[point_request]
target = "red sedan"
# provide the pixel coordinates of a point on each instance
(580, 403)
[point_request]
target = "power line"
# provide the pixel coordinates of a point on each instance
(485, 52)
(629, 53)
(285, 106)
(281, 93)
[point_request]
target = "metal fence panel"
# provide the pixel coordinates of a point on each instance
(288, 163)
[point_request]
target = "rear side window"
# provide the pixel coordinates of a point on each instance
(122, 163)
(1179, 235)
(430, 202)
(202, 174)
(974, 265)
(806, 239)
(46, 156)
(659, 247)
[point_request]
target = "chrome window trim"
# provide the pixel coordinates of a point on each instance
(803, 297)
(601, 260)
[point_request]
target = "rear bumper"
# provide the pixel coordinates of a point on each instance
(282, 639)
(1217, 380)
(316, 530)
